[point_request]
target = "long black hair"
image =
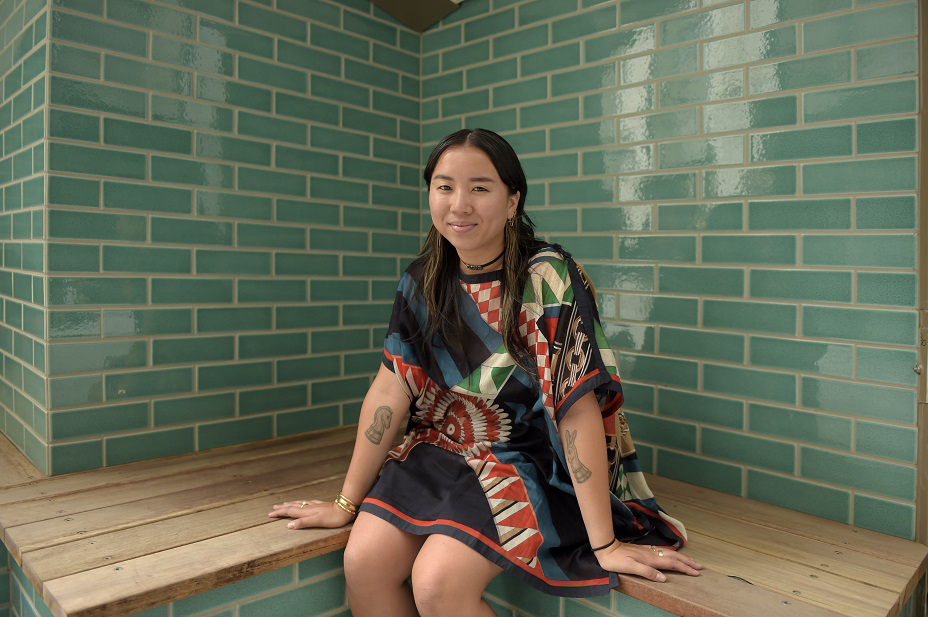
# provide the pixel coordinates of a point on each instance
(438, 261)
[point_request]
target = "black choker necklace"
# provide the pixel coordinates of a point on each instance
(481, 267)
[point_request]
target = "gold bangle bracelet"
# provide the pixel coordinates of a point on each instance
(346, 504)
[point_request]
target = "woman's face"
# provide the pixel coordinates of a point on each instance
(470, 204)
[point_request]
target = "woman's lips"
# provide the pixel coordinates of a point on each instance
(462, 227)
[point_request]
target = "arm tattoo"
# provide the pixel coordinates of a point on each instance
(581, 471)
(381, 423)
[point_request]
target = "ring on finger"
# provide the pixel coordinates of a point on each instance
(660, 553)
(305, 503)
(653, 548)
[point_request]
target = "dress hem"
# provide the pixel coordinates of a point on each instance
(567, 589)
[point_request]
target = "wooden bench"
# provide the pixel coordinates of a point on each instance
(122, 539)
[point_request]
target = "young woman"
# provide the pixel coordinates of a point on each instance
(516, 455)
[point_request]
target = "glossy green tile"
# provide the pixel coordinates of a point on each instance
(887, 60)
(618, 160)
(890, 136)
(702, 88)
(172, 51)
(860, 27)
(212, 146)
(73, 324)
(147, 383)
(892, 174)
(661, 64)
(896, 212)
(97, 161)
(663, 432)
(499, 121)
(552, 59)
(291, 264)
(616, 218)
(701, 408)
(492, 73)
(478, 100)
(704, 25)
(701, 281)
(694, 217)
(77, 456)
(70, 125)
(655, 369)
(821, 429)
(700, 471)
(538, 10)
(327, 290)
(396, 59)
(801, 285)
(887, 441)
(752, 47)
(630, 278)
(134, 322)
(803, 356)
(85, 357)
(864, 400)
(511, 94)
(802, 144)
(64, 291)
(631, 337)
(583, 80)
(640, 10)
(437, 39)
(193, 350)
(800, 214)
(232, 432)
(657, 248)
(74, 61)
(465, 55)
(766, 12)
(444, 84)
(495, 23)
(193, 172)
(233, 93)
(879, 251)
(144, 260)
(750, 383)
(232, 262)
(866, 325)
(552, 166)
(751, 249)
(234, 376)
(742, 115)
(622, 43)
(152, 17)
(617, 102)
(866, 474)
(750, 182)
(234, 319)
(702, 152)
(191, 291)
(146, 136)
(705, 345)
(242, 589)
(271, 74)
(190, 113)
(518, 41)
(888, 98)
(94, 33)
(590, 134)
(758, 452)
(371, 75)
(310, 58)
(811, 498)
(272, 21)
(271, 291)
(181, 231)
(153, 444)
(884, 516)
(661, 309)
(582, 192)
(887, 365)
(270, 346)
(584, 24)
(800, 73)
(143, 74)
(657, 187)
(268, 127)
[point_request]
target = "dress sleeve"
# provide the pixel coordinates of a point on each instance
(577, 358)
(401, 344)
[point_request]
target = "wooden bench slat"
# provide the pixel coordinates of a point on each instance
(849, 563)
(712, 594)
(58, 486)
(61, 560)
(813, 585)
(85, 525)
(151, 580)
(881, 545)
(34, 511)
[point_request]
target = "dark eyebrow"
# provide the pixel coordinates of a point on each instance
(440, 177)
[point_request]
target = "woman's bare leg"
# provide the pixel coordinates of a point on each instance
(449, 578)
(378, 560)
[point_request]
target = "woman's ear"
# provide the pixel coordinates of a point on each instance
(513, 204)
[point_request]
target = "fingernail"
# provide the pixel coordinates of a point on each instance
(290, 525)
(661, 578)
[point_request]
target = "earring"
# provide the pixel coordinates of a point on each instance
(512, 221)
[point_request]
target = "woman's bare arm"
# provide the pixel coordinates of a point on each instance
(382, 414)
(584, 441)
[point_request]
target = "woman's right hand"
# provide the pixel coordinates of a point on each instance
(313, 513)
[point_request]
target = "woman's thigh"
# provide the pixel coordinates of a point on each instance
(379, 553)
(447, 572)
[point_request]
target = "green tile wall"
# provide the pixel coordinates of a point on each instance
(210, 171)
(738, 178)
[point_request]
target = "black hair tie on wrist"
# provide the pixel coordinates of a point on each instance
(614, 540)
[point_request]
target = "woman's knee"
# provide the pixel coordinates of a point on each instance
(449, 578)
(378, 554)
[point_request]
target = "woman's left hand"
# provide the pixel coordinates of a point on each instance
(645, 561)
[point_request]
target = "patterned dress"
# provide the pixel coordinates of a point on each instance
(482, 460)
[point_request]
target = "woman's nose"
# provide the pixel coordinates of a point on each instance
(460, 202)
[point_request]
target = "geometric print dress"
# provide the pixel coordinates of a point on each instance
(481, 460)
